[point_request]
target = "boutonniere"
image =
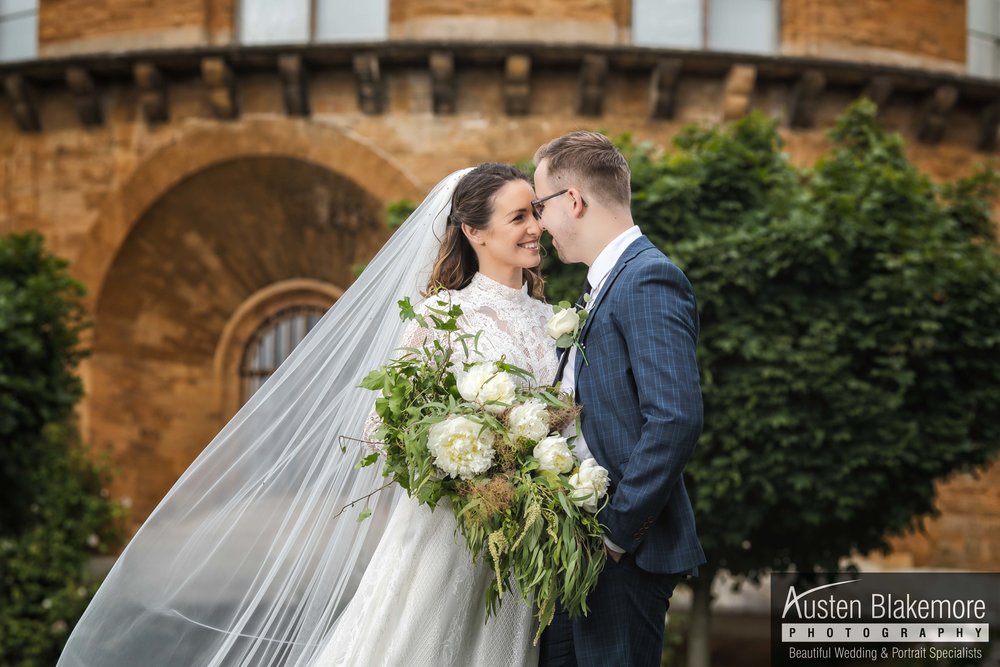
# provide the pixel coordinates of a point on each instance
(566, 324)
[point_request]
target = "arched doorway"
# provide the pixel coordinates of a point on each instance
(200, 257)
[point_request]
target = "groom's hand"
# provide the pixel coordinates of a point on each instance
(613, 555)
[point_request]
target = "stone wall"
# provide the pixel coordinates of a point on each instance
(90, 26)
(913, 33)
(586, 21)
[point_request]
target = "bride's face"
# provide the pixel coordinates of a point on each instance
(511, 238)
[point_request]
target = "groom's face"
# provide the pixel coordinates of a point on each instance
(556, 216)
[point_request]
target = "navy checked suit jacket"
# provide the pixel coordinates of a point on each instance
(642, 406)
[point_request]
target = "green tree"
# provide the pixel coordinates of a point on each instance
(54, 511)
(849, 346)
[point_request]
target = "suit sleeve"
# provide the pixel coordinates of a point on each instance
(658, 319)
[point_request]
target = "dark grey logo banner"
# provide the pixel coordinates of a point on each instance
(887, 618)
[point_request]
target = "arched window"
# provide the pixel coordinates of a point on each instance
(271, 344)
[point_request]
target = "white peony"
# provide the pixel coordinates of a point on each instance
(562, 323)
(553, 455)
(590, 485)
(529, 420)
(461, 447)
(500, 390)
(483, 384)
(472, 380)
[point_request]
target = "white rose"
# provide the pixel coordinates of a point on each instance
(461, 447)
(590, 485)
(482, 384)
(562, 323)
(553, 455)
(529, 420)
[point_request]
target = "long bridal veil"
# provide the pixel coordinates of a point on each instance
(245, 561)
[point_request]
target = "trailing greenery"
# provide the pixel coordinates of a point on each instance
(53, 498)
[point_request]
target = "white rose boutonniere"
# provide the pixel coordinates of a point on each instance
(563, 323)
(566, 324)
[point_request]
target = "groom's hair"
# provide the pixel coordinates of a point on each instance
(591, 159)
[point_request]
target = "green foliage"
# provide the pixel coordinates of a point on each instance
(850, 334)
(44, 587)
(398, 211)
(53, 498)
(41, 319)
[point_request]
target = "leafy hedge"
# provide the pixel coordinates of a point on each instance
(54, 508)
(850, 333)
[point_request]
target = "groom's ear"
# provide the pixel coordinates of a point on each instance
(579, 203)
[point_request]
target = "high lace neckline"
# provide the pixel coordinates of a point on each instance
(482, 282)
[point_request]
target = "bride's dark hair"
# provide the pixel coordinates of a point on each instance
(472, 204)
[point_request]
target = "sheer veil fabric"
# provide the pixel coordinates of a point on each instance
(245, 561)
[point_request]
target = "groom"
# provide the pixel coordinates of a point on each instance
(642, 408)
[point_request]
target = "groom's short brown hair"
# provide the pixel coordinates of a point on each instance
(593, 159)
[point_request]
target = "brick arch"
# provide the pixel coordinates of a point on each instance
(221, 249)
(350, 156)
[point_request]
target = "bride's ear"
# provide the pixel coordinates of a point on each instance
(471, 233)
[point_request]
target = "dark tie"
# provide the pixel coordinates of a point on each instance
(564, 356)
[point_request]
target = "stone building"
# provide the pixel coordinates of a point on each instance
(215, 168)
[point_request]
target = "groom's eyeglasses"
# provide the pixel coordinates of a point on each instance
(538, 205)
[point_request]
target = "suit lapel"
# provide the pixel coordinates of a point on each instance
(639, 245)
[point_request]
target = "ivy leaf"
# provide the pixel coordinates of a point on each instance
(366, 461)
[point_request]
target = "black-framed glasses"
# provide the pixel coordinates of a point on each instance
(538, 205)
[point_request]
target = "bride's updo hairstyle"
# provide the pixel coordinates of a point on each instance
(472, 204)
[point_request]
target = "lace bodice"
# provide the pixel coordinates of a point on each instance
(512, 322)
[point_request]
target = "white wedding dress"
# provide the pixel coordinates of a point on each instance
(421, 599)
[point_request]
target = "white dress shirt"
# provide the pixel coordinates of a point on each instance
(596, 276)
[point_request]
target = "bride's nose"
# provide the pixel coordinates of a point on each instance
(534, 228)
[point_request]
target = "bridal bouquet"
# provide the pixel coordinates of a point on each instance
(469, 433)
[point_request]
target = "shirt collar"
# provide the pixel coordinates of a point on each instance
(612, 252)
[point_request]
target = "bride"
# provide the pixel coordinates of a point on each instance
(254, 558)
